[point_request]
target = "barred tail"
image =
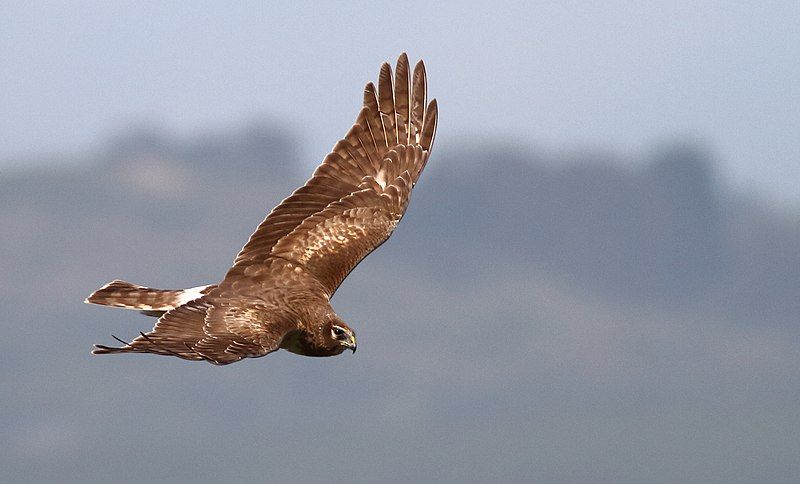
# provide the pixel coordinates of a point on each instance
(121, 294)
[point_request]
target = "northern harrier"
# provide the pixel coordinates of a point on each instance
(277, 293)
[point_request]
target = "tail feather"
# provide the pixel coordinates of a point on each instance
(121, 294)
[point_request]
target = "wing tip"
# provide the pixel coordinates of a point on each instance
(432, 112)
(106, 350)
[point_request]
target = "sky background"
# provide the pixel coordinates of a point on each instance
(597, 279)
(562, 76)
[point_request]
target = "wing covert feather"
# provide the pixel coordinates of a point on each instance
(393, 126)
(331, 243)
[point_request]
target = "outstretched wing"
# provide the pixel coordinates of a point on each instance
(218, 331)
(332, 242)
(357, 195)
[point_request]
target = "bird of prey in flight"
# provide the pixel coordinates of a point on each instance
(277, 293)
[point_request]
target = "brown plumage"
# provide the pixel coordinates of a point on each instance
(277, 293)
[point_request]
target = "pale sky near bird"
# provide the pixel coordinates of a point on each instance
(554, 75)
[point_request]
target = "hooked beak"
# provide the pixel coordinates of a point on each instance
(352, 344)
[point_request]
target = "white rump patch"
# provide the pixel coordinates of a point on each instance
(190, 294)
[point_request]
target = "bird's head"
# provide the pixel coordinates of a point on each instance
(341, 336)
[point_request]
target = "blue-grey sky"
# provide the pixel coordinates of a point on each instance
(526, 322)
(556, 75)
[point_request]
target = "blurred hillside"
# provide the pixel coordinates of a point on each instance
(527, 303)
(662, 233)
